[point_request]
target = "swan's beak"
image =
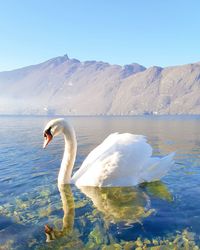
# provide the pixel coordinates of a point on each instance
(47, 139)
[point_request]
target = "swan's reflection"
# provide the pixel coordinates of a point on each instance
(68, 217)
(126, 204)
(117, 204)
(157, 189)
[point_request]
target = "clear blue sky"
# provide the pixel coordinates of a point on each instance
(149, 32)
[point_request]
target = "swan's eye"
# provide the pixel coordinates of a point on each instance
(48, 137)
(47, 132)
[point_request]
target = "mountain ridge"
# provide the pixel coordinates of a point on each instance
(64, 86)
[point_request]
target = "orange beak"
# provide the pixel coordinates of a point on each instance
(47, 139)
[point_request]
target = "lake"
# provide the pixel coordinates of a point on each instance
(165, 213)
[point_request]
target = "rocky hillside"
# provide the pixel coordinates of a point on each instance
(70, 87)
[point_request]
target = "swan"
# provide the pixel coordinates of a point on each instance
(120, 160)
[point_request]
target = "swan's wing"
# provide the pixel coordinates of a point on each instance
(117, 161)
(155, 168)
(93, 156)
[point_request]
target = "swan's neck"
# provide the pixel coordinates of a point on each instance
(69, 156)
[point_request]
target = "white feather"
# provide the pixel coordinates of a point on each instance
(120, 160)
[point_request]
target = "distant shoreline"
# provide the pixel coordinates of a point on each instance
(104, 116)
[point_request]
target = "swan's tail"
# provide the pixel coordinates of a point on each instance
(169, 158)
(159, 168)
(167, 162)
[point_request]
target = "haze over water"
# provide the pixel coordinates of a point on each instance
(95, 218)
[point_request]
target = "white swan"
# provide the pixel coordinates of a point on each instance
(120, 160)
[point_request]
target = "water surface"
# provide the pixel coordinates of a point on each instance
(97, 218)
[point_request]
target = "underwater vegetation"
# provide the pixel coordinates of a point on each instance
(183, 240)
(85, 220)
(35, 214)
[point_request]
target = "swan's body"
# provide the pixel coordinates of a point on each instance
(120, 160)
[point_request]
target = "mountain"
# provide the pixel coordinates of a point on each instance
(67, 86)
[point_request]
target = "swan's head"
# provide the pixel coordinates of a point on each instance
(53, 128)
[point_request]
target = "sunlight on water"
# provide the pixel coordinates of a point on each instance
(35, 214)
